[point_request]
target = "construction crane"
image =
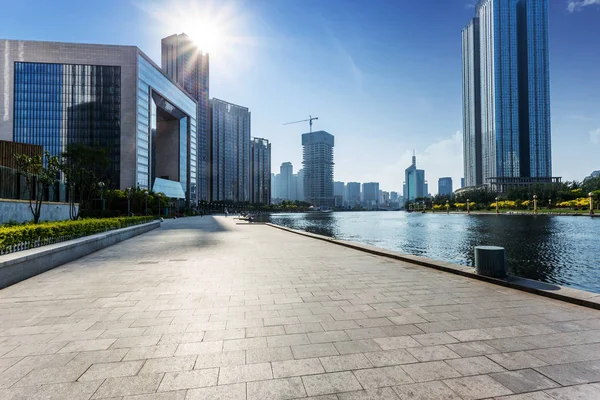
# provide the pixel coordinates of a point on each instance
(310, 121)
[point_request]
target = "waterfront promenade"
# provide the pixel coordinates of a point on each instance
(211, 308)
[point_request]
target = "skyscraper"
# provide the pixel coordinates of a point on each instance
(286, 181)
(415, 186)
(339, 189)
(317, 159)
(506, 96)
(260, 183)
(300, 185)
(229, 172)
(370, 194)
(445, 186)
(187, 65)
(352, 194)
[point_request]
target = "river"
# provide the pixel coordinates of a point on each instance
(564, 250)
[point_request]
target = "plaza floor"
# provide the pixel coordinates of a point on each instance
(210, 308)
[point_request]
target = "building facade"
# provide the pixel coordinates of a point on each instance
(445, 186)
(111, 97)
(506, 95)
(339, 192)
(286, 181)
(370, 194)
(260, 167)
(300, 184)
(317, 161)
(352, 194)
(187, 65)
(229, 167)
(414, 182)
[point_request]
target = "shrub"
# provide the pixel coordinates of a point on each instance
(51, 232)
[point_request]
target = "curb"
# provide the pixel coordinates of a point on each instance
(562, 293)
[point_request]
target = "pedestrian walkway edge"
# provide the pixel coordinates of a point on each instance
(566, 294)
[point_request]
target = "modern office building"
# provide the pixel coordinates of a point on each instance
(317, 160)
(274, 186)
(414, 182)
(370, 194)
(445, 186)
(229, 167)
(187, 65)
(352, 194)
(506, 95)
(287, 188)
(394, 196)
(339, 192)
(300, 184)
(113, 97)
(260, 171)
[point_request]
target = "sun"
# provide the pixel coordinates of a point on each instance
(207, 35)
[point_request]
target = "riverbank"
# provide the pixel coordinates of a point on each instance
(215, 308)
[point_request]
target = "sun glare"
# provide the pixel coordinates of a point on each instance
(206, 34)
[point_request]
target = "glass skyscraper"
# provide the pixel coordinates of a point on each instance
(414, 181)
(187, 65)
(230, 156)
(317, 160)
(260, 171)
(506, 97)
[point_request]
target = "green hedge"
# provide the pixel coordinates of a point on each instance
(51, 232)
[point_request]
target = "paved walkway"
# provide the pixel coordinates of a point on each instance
(205, 308)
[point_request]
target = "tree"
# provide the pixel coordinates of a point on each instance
(38, 177)
(83, 166)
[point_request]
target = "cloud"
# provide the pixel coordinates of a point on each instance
(595, 136)
(577, 5)
(440, 159)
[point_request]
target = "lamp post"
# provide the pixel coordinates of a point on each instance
(447, 206)
(549, 204)
(468, 207)
(128, 201)
(535, 204)
(591, 203)
(497, 206)
(101, 187)
(146, 193)
(158, 204)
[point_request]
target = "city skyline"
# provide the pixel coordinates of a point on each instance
(398, 82)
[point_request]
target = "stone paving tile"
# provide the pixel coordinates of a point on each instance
(370, 394)
(430, 371)
(181, 337)
(365, 333)
(477, 387)
(287, 340)
(527, 396)
(245, 373)
(256, 356)
(127, 386)
(381, 377)
(224, 392)
(49, 375)
(276, 389)
(390, 357)
(578, 392)
(432, 353)
(517, 360)
(400, 342)
(186, 349)
(142, 353)
(574, 373)
(433, 339)
(345, 363)
(189, 379)
(87, 345)
(314, 350)
(426, 391)
(71, 390)
(244, 344)
(525, 380)
(169, 364)
(265, 331)
(336, 382)
(174, 395)
(474, 365)
(328, 337)
(35, 349)
(111, 370)
(227, 358)
(307, 366)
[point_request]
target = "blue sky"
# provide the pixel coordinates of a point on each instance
(383, 76)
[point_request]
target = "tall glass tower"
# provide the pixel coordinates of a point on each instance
(506, 96)
(187, 65)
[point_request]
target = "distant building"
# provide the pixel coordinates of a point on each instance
(462, 182)
(286, 181)
(352, 194)
(506, 95)
(339, 189)
(300, 184)
(445, 186)
(370, 192)
(230, 155)
(384, 197)
(274, 186)
(317, 156)
(414, 182)
(393, 196)
(260, 171)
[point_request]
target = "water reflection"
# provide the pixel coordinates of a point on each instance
(553, 249)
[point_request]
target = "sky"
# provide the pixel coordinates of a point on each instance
(383, 76)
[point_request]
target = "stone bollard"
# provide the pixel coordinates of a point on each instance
(490, 261)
